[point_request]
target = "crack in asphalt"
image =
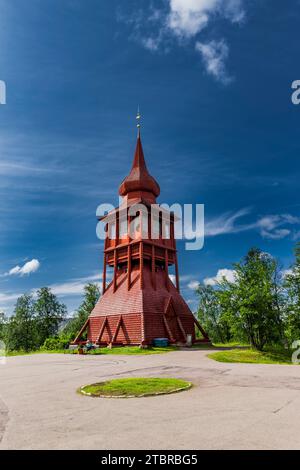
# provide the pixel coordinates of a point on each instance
(284, 406)
(162, 370)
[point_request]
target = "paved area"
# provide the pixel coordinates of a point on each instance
(232, 406)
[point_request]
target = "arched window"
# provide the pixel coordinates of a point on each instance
(123, 227)
(155, 229)
(112, 230)
(135, 227)
(166, 229)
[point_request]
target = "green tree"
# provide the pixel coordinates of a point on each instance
(252, 304)
(3, 324)
(21, 333)
(292, 285)
(91, 296)
(49, 314)
(211, 315)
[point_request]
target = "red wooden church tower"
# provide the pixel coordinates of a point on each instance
(141, 303)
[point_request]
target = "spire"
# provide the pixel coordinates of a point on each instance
(139, 179)
(138, 120)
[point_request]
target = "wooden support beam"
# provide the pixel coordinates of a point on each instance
(101, 330)
(167, 269)
(181, 327)
(168, 305)
(172, 231)
(117, 330)
(153, 274)
(205, 335)
(141, 265)
(81, 331)
(117, 228)
(177, 273)
(128, 267)
(104, 275)
(115, 271)
(168, 329)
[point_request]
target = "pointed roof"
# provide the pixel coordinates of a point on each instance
(139, 179)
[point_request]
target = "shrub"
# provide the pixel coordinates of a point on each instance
(51, 344)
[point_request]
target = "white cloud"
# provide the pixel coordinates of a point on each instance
(225, 223)
(286, 272)
(28, 268)
(68, 288)
(228, 274)
(189, 17)
(193, 285)
(8, 298)
(185, 21)
(296, 235)
(172, 278)
(214, 55)
(152, 44)
(269, 226)
(75, 286)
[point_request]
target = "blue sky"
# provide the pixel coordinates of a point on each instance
(213, 80)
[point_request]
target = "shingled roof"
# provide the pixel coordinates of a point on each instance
(139, 179)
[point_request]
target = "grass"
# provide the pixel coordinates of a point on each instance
(251, 356)
(135, 387)
(126, 350)
(213, 346)
(232, 344)
(22, 353)
(37, 351)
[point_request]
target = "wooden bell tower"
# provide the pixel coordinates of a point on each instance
(141, 302)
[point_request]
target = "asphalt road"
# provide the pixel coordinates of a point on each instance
(231, 406)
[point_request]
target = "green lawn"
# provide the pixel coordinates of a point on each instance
(135, 387)
(133, 350)
(24, 353)
(127, 350)
(270, 356)
(218, 345)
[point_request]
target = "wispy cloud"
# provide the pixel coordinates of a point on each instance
(28, 268)
(189, 17)
(225, 223)
(273, 226)
(214, 55)
(185, 21)
(70, 288)
(8, 297)
(270, 226)
(193, 285)
(75, 286)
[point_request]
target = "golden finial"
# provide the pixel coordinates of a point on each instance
(138, 120)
